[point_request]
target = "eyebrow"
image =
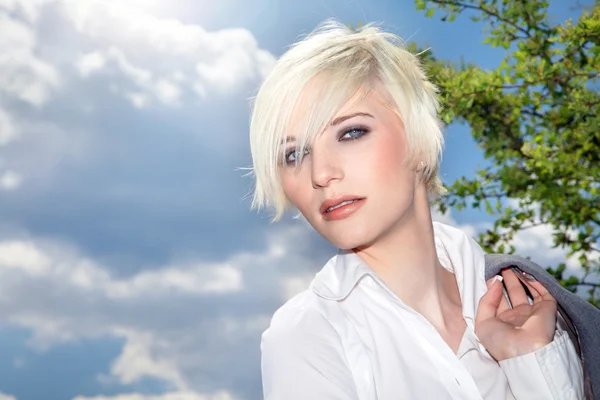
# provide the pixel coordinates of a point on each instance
(343, 118)
(337, 121)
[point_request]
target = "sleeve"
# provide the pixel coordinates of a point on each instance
(553, 372)
(302, 358)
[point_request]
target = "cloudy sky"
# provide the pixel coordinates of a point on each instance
(130, 265)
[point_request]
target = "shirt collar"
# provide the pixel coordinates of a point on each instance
(340, 275)
(456, 251)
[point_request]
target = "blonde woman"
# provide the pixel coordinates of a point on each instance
(345, 129)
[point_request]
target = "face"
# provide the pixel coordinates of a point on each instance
(353, 183)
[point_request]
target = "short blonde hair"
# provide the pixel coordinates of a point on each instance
(337, 63)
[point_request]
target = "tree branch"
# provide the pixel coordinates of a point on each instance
(489, 12)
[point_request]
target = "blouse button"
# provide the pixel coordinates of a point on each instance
(552, 359)
(567, 391)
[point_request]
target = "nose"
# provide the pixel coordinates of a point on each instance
(325, 168)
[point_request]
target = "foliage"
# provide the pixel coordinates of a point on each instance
(536, 119)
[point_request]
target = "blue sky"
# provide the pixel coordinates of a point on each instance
(130, 265)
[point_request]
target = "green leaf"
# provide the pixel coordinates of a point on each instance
(534, 116)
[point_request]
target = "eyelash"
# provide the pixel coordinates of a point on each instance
(287, 155)
(362, 129)
(345, 132)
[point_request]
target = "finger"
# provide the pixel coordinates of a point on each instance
(545, 306)
(542, 291)
(515, 290)
(504, 304)
(488, 305)
(526, 280)
(537, 290)
(535, 295)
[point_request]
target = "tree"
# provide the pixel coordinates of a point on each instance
(536, 119)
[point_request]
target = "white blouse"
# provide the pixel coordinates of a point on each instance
(348, 337)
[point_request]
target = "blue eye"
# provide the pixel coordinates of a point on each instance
(353, 133)
(292, 156)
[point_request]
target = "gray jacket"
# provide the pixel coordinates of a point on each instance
(582, 318)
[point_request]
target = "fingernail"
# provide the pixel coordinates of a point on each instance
(528, 277)
(496, 278)
(525, 275)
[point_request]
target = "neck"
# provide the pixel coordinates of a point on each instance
(405, 258)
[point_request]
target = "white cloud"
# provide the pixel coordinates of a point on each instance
(8, 4)
(22, 73)
(140, 76)
(25, 256)
(231, 65)
(176, 323)
(60, 263)
(29, 9)
(191, 279)
(136, 361)
(537, 242)
(10, 180)
(42, 150)
(8, 130)
(145, 50)
(100, 51)
(139, 100)
(7, 397)
(90, 62)
(293, 285)
(167, 92)
(447, 218)
(151, 60)
(191, 323)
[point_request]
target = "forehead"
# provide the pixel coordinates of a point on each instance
(322, 102)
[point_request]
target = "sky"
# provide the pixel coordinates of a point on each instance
(131, 266)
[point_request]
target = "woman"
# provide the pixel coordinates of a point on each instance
(345, 129)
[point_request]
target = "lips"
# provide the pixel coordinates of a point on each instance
(338, 202)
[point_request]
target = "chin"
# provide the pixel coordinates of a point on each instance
(349, 238)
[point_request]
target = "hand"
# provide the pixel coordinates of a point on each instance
(511, 332)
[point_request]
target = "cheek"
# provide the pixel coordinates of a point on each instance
(388, 162)
(295, 188)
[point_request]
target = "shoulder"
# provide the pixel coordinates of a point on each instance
(302, 354)
(301, 319)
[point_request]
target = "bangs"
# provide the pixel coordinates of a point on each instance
(316, 105)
